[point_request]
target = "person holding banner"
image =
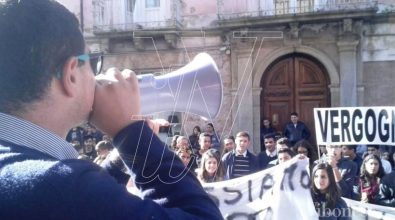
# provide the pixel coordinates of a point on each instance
(344, 170)
(325, 194)
(349, 151)
(372, 172)
(304, 147)
(283, 155)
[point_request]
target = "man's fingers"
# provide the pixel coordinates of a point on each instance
(161, 122)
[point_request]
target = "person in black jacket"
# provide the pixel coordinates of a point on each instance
(296, 130)
(240, 161)
(386, 194)
(270, 154)
(266, 128)
(344, 170)
(326, 195)
(51, 82)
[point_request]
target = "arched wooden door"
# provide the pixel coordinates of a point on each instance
(294, 83)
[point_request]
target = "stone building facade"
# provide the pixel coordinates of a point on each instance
(274, 57)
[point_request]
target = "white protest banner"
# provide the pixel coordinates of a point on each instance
(360, 210)
(355, 125)
(281, 192)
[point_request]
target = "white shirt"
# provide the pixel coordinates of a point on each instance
(243, 154)
(25, 133)
(271, 154)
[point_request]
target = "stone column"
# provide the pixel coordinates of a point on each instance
(244, 112)
(335, 95)
(256, 97)
(348, 72)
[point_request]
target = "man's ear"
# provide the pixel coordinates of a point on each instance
(69, 77)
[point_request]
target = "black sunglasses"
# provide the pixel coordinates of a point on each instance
(95, 60)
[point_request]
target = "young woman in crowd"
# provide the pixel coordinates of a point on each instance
(211, 168)
(305, 148)
(194, 138)
(372, 172)
(326, 195)
(215, 142)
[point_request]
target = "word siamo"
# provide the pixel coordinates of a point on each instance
(230, 196)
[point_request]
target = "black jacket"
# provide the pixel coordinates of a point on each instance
(386, 194)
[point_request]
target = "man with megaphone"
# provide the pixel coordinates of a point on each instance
(47, 87)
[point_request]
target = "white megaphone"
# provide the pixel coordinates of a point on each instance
(195, 88)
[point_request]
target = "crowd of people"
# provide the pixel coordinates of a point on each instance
(336, 171)
(90, 143)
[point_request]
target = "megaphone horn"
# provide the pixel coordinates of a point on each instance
(195, 88)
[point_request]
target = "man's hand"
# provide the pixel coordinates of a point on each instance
(117, 101)
(332, 161)
(155, 124)
(364, 197)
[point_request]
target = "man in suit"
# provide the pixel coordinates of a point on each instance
(48, 86)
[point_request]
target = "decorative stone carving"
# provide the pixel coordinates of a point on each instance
(138, 43)
(171, 40)
(347, 25)
(311, 93)
(294, 31)
(277, 93)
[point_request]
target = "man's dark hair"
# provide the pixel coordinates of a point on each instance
(243, 134)
(374, 146)
(270, 135)
(286, 150)
(204, 134)
(351, 147)
(294, 114)
(104, 145)
(37, 37)
(229, 137)
(86, 137)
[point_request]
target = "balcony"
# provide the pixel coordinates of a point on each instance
(112, 16)
(279, 8)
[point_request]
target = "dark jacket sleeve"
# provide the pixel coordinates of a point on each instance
(286, 131)
(227, 165)
(305, 132)
(342, 207)
(254, 162)
(348, 171)
(161, 177)
(386, 194)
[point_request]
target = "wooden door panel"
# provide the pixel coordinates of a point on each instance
(307, 116)
(294, 83)
(277, 112)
